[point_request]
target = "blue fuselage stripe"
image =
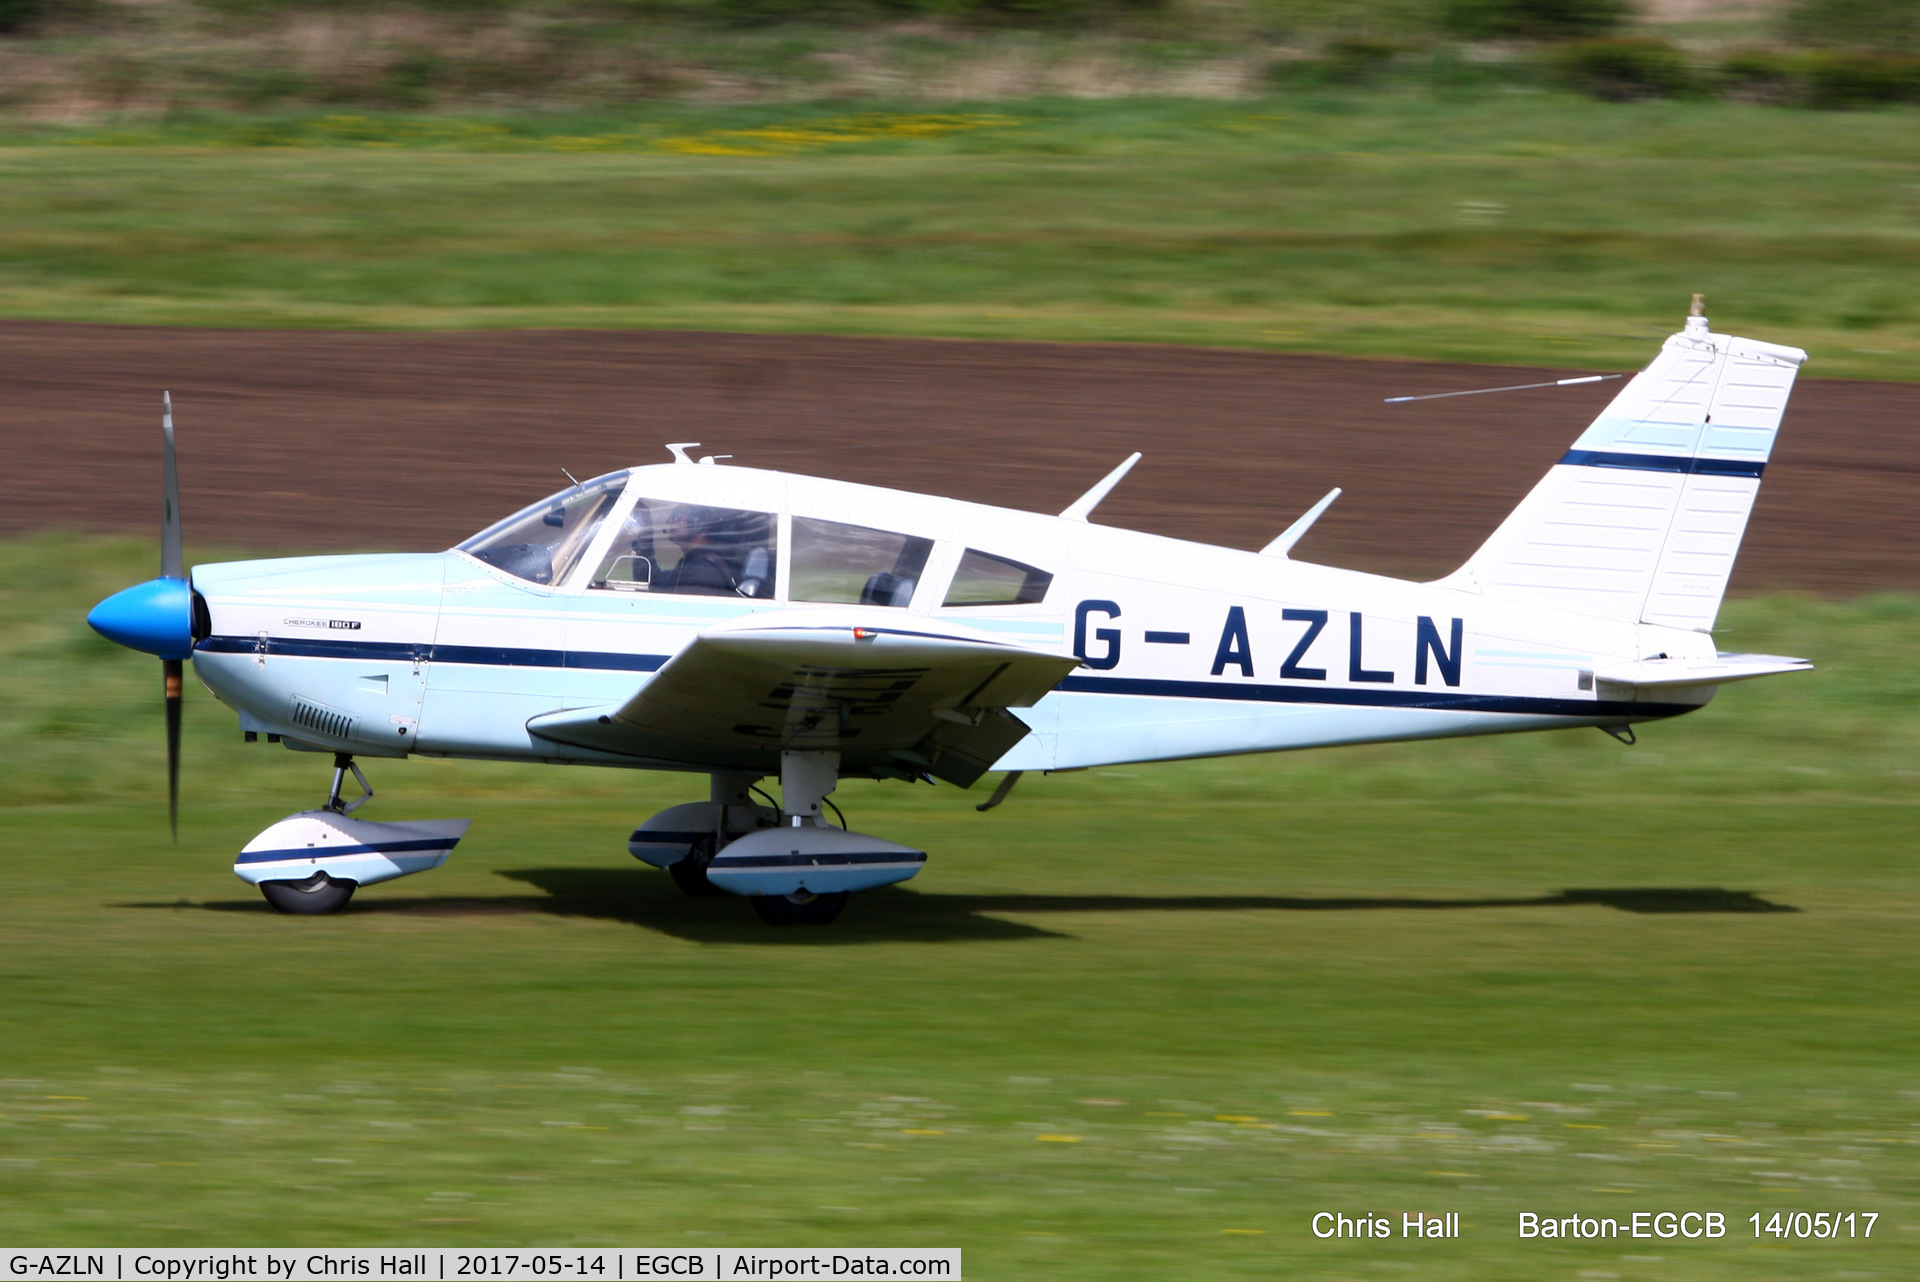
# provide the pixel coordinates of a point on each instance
(404, 652)
(1150, 687)
(329, 852)
(1664, 463)
(1442, 701)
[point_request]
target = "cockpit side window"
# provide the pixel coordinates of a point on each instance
(986, 579)
(692, 549)
(541, 544)
(855, 565)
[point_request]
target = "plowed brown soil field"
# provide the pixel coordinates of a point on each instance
(311, 440)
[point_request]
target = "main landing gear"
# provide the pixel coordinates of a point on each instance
(799, 908)
(794, 867)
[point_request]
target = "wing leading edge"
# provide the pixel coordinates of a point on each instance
(896, 696)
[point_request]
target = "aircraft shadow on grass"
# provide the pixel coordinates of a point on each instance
(897, 913)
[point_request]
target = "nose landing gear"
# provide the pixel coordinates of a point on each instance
(343, 762)
(312, 862)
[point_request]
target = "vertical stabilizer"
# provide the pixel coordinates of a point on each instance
(1642, 518)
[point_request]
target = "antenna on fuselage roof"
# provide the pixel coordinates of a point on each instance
(1281, 546)
(576, 480)
(1082, 508)
(679, 451)
(1517, 387)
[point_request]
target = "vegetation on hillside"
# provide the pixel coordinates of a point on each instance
(1535, 229)
(86, 59)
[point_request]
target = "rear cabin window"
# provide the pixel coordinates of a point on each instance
(692, 550)
(986, 579)
(855, 565)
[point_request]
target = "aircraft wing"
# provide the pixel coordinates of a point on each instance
(896, 695)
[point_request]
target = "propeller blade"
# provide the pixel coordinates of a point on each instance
(172, 561)
(171, 667)
(173, 565)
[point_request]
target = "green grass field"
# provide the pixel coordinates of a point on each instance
(1488, 226)
(1137, 1023)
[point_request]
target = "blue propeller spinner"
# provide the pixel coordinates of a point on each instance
(155, 617)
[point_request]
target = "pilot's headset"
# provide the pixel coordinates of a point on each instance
(686, 522)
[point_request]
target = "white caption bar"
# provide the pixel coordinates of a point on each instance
(528, 1264)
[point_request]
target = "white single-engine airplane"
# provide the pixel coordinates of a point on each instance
(744, 623)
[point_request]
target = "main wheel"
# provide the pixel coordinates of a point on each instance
(690, 874)
(316, 895)
(801, 909)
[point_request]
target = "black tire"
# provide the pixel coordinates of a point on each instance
(799, 910)
(313, 897)
(690, 874)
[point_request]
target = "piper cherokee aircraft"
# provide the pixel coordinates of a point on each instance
(743, 623)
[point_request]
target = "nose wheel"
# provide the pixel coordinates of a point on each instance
(314, 897)
(320, 894)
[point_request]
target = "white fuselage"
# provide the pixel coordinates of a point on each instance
(1187, 649)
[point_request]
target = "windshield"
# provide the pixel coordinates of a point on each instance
(540, 544)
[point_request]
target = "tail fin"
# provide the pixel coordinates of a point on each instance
(1642, 518)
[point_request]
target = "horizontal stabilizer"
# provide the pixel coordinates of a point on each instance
(1668, 674)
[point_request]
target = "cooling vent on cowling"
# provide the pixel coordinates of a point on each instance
(321, 720)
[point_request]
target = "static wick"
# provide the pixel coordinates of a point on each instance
(1517, 387)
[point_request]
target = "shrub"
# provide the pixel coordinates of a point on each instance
(1832, 79)
(17, 15)
(1622, 70)
(1763, 75)
(1356, 58)
(1350, 61)
(1534, 19)
(1841, 80)
(1017, 13)
(1879, 25)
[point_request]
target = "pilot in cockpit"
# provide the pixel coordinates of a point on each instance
(704, 568)
(692, 549)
